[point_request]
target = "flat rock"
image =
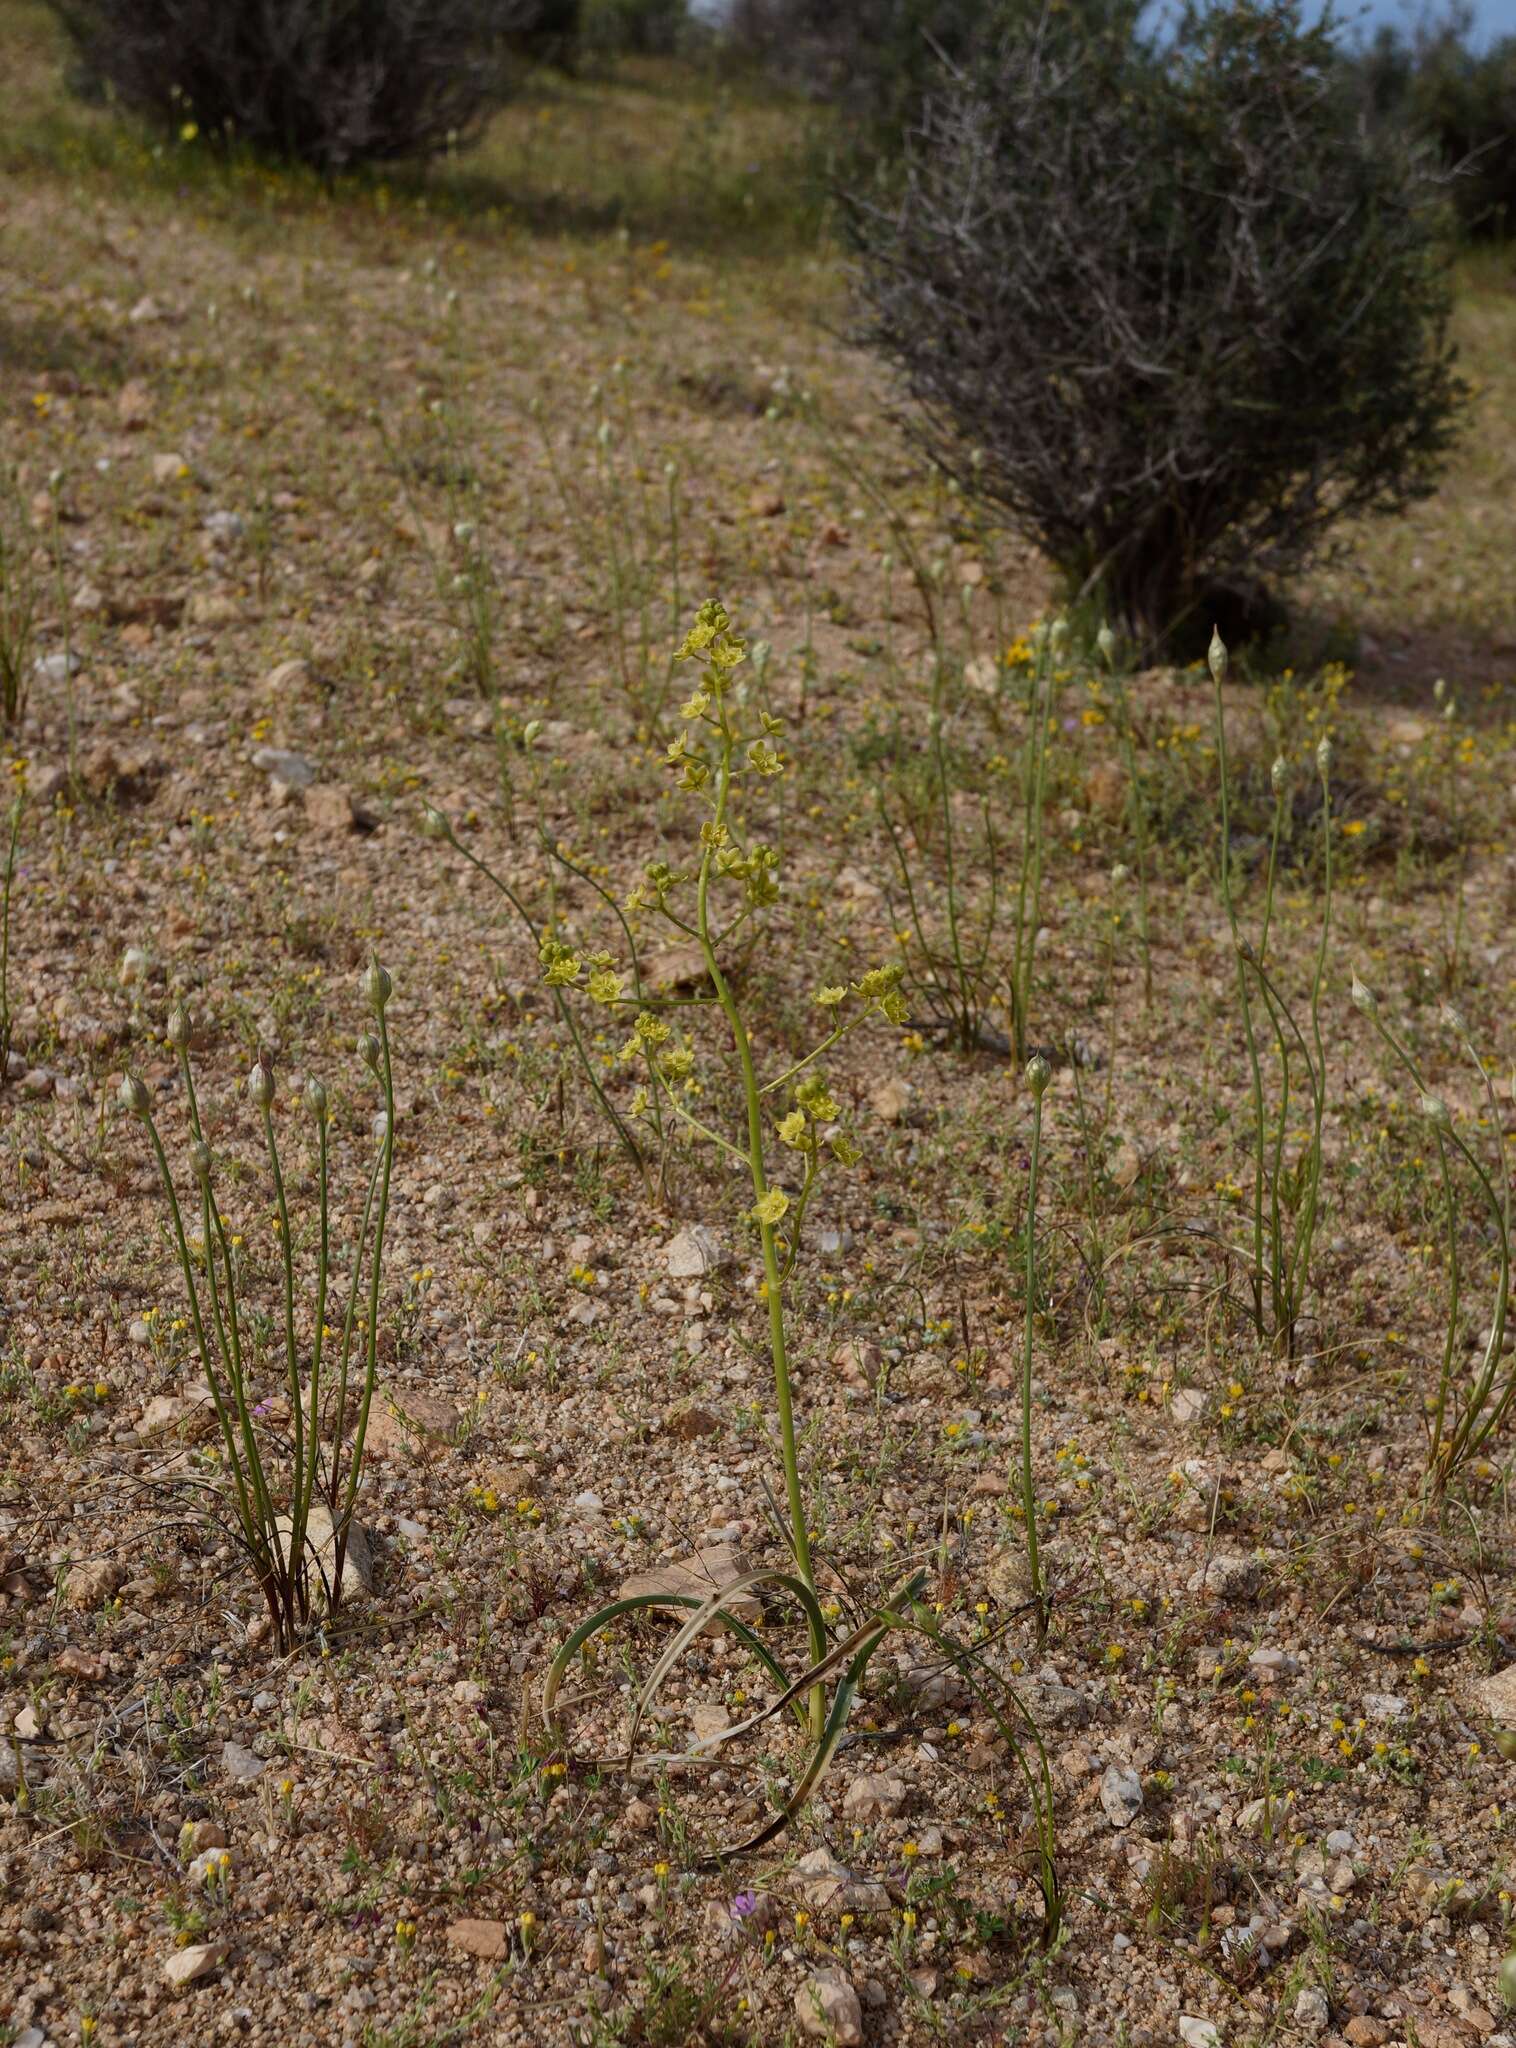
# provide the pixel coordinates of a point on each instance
(320, 1551)
(827, 2009)
(704, 1572)
(1198, 2033)
(403, 1420)
(1497, 1696)
(293, 770)
(695, 1252)
(94, 1580)
(861, 1364)
(690, 1422)
(1229, 1575)
(240, 1764)
(874, 1797)
(827, 1885)
(487, 1938)
(189, 1965)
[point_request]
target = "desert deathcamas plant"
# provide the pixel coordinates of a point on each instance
(1468, 1408)
(722, 753)
(293, 1498)
(1286, 1193)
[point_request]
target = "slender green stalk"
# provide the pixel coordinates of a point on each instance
(7, 883)
(1038, 1074)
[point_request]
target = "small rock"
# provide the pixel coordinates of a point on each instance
(208, 1864)
(689, 1422)
(1362, 2031)
(874, 1797)
(827, 2008)
(1198, 2033)
(1468, 2008)
(240, 1764)
(169, 468)
(707, 1722)
(329, 809)
(29, 1724)
(198, 1836)
(289, 679)
(89, 1665)
(134, 406)
(1497, 1696)
(486, 1938)
(1311, 2009)
(639, 1815)
(293, 770)
(861, 1364)
(695, 1252)
(1229, 1575)
(826, 1884)
(189, 1965)
(403, 1420)
(1274, 1663)
(94, 1581)
(707, 1571)
(1121, 1794)
(1384, 1706)
(890, 1100)
(1339, 1843)
(320, 1552)
(1187, 1405)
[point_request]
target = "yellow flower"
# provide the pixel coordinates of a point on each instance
(792, 1130)
(772, 1207)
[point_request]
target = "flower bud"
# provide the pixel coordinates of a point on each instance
(1439, 689)
(200, 1161)
(260, 1082)
(1038, 1074)
(1364, 998)
(177, 1029)
(1279, 775)
(1455, 1020)
(1435, 1110)
(133, 967)
(1058, 638)
(380, 1126)
(1105, 640)
(531, 732)
(1505, 1742)
(1216, 656)
(315, 1099)
(134, 1097)
(433, 823)
(1120, 874)
(368, 1050)
(377, 986)
(1323, 758)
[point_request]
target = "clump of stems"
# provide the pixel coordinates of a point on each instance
(294, 1557)
(1468, 1408)
(1286, 1195)
(18, 602)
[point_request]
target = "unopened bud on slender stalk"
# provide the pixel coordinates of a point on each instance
(369, 1050)
(200, 1161)
(1058, 638)
(531, 732)
(1246, 950)
(177, 1029)
(380, 1126)
(1364, 998)
(1279, 775)
(1216, 656)
(1435, 1110)
(377, 986)
(434, 824)
(1105, 640)
(1323, 758)
(1120, 874)
(134, 1097)
(315, 1099)
(1038, 1074)
(1455, 1020)
(1439, 689)
(260, 1083)
(133, 967)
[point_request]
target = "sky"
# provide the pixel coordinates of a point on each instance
(1493, 18)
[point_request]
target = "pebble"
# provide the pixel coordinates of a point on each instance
(240, 1764)
(1311, 2009)
(188, 1965)
(293, 770)
(1121, 1794)
(1198, 2033)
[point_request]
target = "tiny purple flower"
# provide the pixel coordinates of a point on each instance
(743, 1904)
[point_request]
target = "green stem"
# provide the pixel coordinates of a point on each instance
(1028, 1489)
